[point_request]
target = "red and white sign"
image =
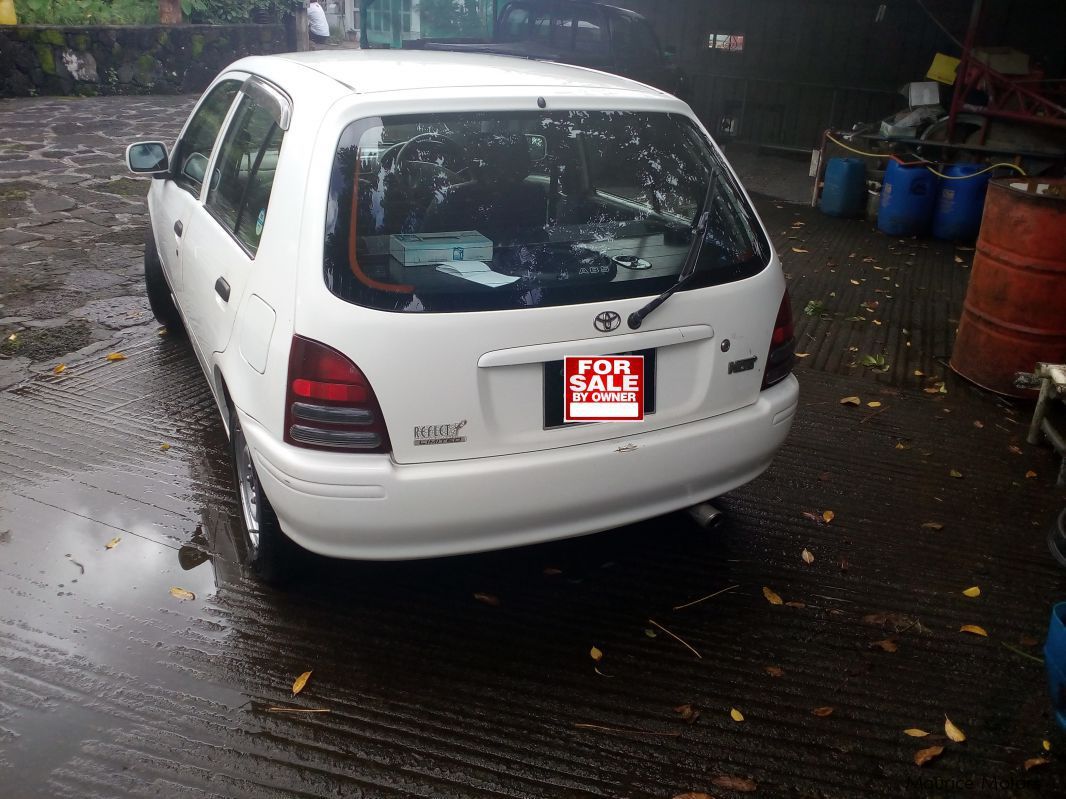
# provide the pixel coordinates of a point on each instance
(607, 388)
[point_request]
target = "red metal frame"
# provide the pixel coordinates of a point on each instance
(1008, 98)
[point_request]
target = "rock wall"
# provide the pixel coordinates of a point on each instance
(106, 59)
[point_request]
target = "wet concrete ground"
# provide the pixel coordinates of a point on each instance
(111, 686)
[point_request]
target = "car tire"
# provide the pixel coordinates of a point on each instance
(155, 282)
(267, 551)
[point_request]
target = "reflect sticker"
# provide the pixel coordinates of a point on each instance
(428, 434)
(259, 222)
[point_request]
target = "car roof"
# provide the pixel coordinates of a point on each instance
(366, 71)
(622, 12)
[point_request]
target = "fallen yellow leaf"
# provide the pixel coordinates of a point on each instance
(596, 654)
(799, 249)
(955, 473)
(1030, 474)
(972, 591)
(828, 516)
(771, 597)
(808, 556)
(919, 373)
(161, 331)
(115, 356)
(932, 526)
(59, 368)
(299, 683)
(953, 732)
(736, 715)
(164, 447)
(1033, 762)
(113, 542)
(853, 401)
(914, 732)
(802, 354)
(1047, 745)
(923, 756)
(974, 629)
(874, 404)
(731, 783)
(822, 712)
(182, 594)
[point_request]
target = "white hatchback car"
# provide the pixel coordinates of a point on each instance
(382, 259)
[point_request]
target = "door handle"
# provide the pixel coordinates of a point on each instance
(222, 289)
(178, 227)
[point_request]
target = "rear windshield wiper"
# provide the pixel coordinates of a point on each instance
(692, 257)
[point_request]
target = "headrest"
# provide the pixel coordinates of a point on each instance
(501, 158)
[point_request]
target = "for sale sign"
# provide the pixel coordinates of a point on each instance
(607, 388)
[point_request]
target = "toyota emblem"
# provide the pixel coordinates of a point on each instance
(607, 321)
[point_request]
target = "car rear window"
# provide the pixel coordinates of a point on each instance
(507, 210)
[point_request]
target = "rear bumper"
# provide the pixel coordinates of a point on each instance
(368, 507)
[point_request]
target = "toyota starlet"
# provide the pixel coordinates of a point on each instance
(382, 260)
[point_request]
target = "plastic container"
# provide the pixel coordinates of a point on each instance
(844, 193)
(1056, 538)
(1055, 661)
(907, 199)
(960, 203)
(1012, 316)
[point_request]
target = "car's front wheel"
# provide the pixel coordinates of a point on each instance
(155, 283)
(268, 552)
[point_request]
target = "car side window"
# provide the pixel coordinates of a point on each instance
(634, 42)
(563, 28)
(515, 25)
(239, 194)
(193, 151)
(590, 31)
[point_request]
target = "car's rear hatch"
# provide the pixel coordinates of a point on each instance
(568, 223)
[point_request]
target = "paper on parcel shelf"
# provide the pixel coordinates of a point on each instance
(475, 272)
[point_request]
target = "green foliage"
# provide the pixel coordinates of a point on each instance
(143, 12)
(88, 12)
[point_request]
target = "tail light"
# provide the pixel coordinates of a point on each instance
(782, 346)
(329, 403)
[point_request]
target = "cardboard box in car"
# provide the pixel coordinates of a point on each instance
(414, 249)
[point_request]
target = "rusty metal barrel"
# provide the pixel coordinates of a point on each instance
(1014, 315)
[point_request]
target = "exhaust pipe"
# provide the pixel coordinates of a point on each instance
(705, 515)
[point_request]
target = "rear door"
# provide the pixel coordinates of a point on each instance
(224, 233)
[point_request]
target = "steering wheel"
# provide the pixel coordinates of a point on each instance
(448, 148)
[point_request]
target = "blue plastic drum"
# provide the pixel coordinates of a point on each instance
(844, 192)
(1055, 661)
(960, 203)
(907, 199)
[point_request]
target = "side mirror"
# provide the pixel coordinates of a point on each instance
(538, 147)
(148, 158)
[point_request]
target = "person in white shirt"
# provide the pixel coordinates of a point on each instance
(317, 26)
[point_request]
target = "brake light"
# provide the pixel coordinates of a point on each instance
(329, 403)
(782, 346)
